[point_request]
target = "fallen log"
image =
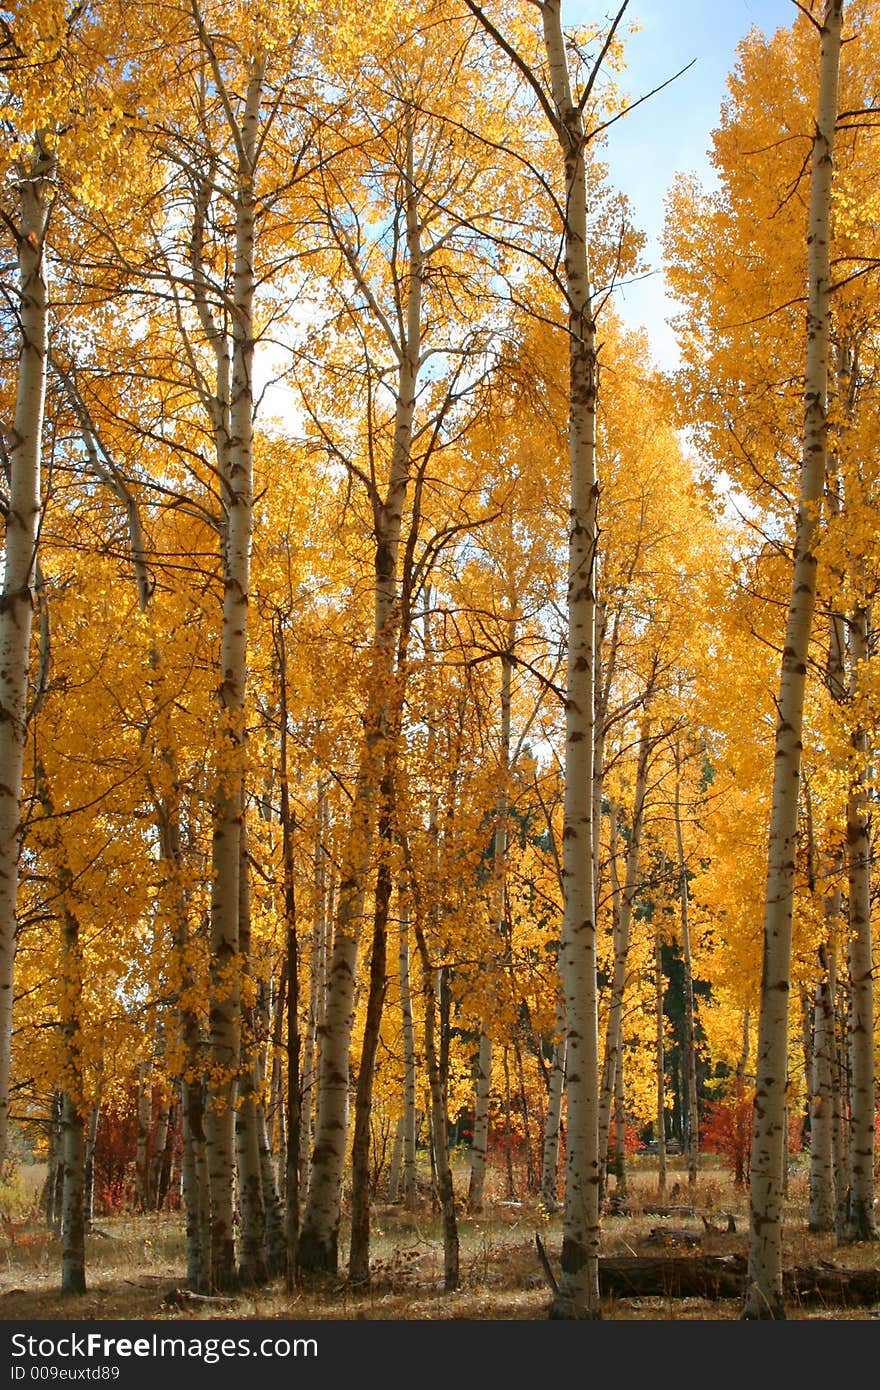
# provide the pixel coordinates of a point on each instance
(724, 1276)
(850, 1287)
(672, 1276)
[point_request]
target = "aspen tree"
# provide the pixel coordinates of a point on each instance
(34, 177)
(408, 315)
(553, 1120)
(822, 1203)
(624, 901)
(579, 1287)
(825, 1177)
(41, 113)
(764, 1297)
(660, 1021)
(318, 1248)
(317, 986)
(72, 1127)
(479, 1143)
(690, 1054)
(439, 1112)
(408, 1157)
(862, 1223)
(292, 1198)
(73, 1223)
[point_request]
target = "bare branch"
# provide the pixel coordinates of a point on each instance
(519, 62)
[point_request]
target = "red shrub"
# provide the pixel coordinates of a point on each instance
(726, 1129)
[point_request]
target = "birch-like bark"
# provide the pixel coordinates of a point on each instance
(73, 1100)
(435, 982)
(292, 977)
(291, 1181)
(319, 1239)
(439, 1122)
(158, 1155)
(600, 711)
(266, 1046)
(622, 919)
(821, 1212)
(142, 1138)
(660, 1020)
(525, 1111)
(194, 1167)
(553, 1120)
(73, 1224)
(480, 1141)
(578, 1294)
(194, 1163)
(862, 1222)
(690, 1050)
(276, 1126)
(396, 1165)
(166, 1173)
(253, 1264)
(830, 1115)
(73, 1146)
(54, 1165)
(410, 1189)
(841, 1135)
(276, 1242)
(620, 1128)
(91, 1135)
(19, 567)
(359, 1253)
(764, 1295)
(317, 973)
(236, 476)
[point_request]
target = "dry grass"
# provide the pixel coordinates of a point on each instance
(139, 1260)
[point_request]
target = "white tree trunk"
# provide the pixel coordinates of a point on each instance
(17, 598)
(620, 1128)
(690, 1050)
(622, 916)
(579, 1281)
(480, 1141)
(410, 1190)
(317, 987)
(236, 473)
(764, 1297)
(822, 1198)
(157, 1157)
(660, 1122)
(862, 1223)
(73, 1222)
(91, 1138)
(318, 1249)
(142, 1140)
(253, 1265)
(439, 1122)
(553, 1120)
(396, 1165)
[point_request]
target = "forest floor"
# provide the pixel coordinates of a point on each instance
(137, 1264)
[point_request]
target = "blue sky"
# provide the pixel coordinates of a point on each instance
(671, 132)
